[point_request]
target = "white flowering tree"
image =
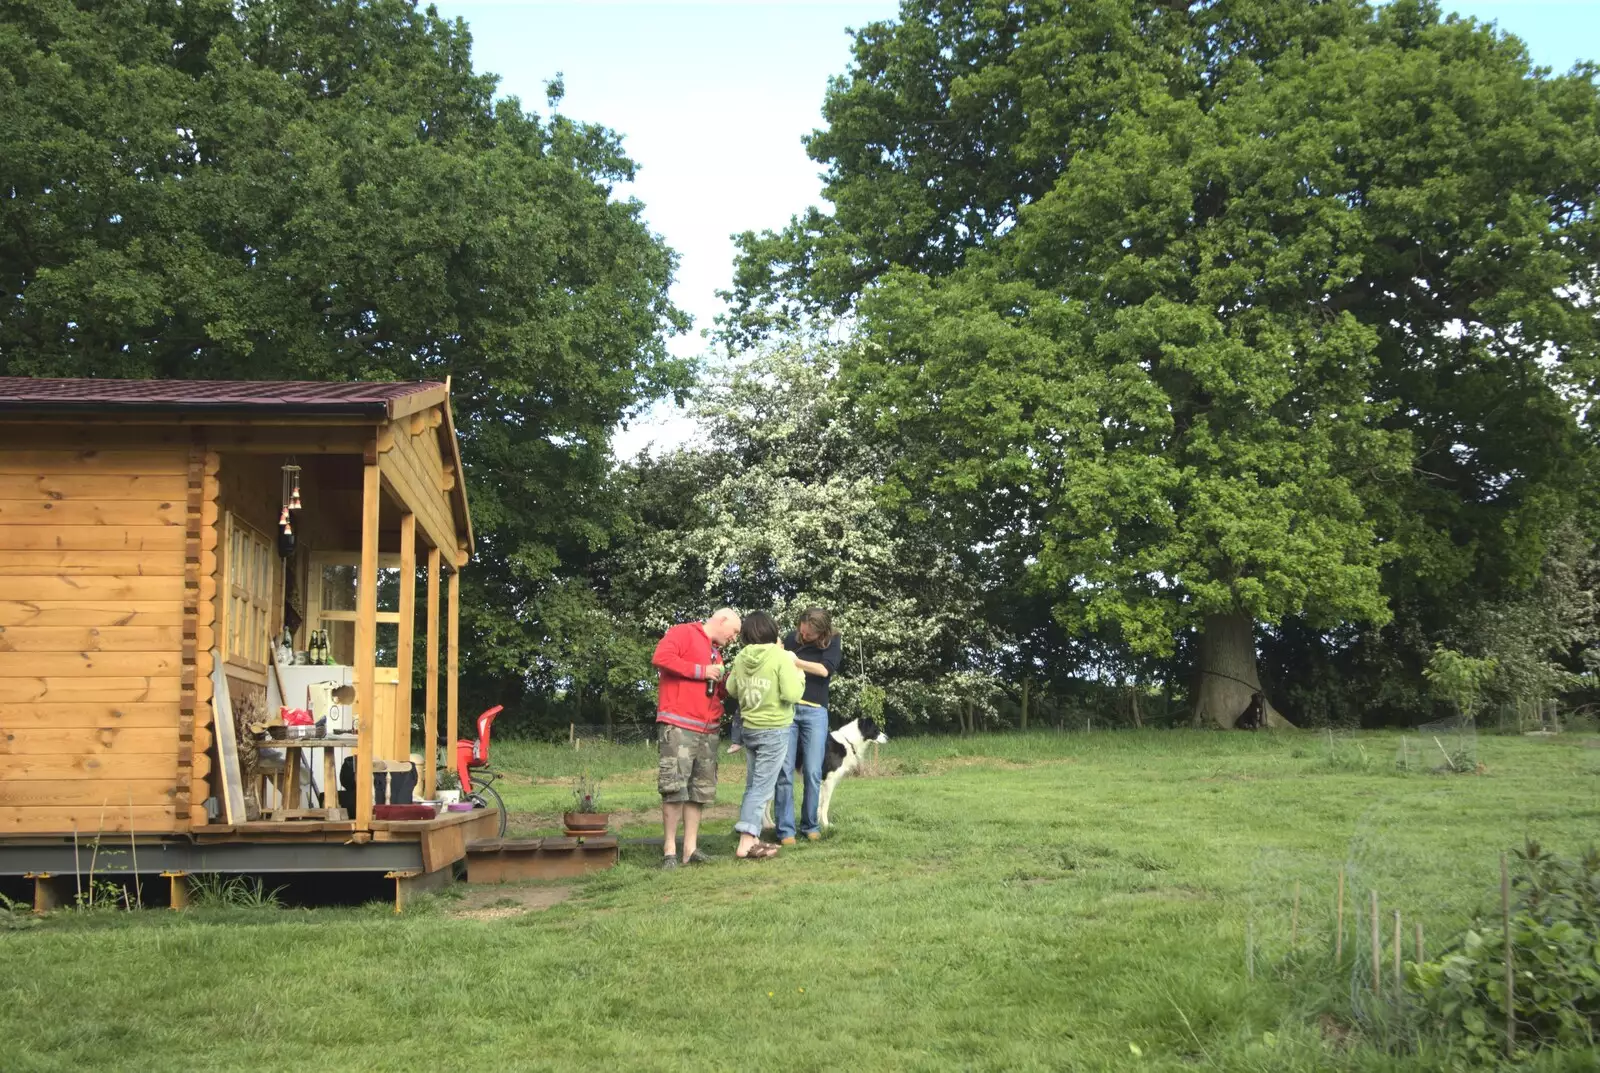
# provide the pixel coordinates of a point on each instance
(787, 513)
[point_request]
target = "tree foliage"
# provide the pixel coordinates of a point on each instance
(777, 509)
(1250, 308)
(326, 189)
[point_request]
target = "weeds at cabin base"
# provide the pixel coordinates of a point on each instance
(15, 915)
(102, 895)
(211, 890)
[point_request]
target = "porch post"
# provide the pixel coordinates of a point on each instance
(367, 641)
(408, 633)
(430, 711)
(451, 697)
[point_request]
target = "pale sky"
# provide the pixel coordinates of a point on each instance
(712, 98)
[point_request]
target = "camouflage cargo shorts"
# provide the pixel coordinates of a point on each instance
(688, 768)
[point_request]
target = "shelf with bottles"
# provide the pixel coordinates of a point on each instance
(318, 653)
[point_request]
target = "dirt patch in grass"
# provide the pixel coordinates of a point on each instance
(951, 763)
(895, 767)
(1163, 894)
(1336, 1033)
(624, 778)
(711, 819)
(502, 900)
(716, 820)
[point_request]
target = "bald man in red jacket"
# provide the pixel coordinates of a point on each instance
(688, 715)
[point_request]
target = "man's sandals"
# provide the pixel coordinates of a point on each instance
(759, 851)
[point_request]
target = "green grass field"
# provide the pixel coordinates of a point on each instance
(1018, 902)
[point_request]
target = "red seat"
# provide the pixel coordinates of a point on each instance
(474, 753)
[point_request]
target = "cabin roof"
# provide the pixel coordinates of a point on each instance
(207, 401)
(354, 398)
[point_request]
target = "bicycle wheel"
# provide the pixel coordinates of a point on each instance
(489, 797)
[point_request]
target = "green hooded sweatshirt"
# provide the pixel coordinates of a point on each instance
(766, 683)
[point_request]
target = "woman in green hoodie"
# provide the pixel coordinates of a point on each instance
(766, 683)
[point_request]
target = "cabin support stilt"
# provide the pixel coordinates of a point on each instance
(46, 895)
(366, 664)
(452, 700)
(430, 693)
(408, 629)
(179, 882)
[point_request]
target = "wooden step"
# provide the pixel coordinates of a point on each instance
(502, 860)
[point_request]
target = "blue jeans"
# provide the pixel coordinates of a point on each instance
(807, 740)
(764, 752)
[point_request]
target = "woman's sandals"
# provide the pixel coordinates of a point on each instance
(760, 851)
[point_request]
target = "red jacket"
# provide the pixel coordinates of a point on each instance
(682, 658)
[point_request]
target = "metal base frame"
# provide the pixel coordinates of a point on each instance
(115, 857)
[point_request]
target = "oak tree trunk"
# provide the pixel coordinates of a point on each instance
(1228, 675)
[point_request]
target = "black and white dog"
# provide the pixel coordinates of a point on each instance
(843, 753)
(846, 749)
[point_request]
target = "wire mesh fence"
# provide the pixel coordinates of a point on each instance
(1447, 745)
(582, 735)
(1372, 928)
(1352, 923)
(1526, 715)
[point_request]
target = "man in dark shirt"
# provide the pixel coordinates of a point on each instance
(818, 652)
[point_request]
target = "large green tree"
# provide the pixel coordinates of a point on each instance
(1221, 305)
(326, 189)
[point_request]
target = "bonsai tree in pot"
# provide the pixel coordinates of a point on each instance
(585, 817)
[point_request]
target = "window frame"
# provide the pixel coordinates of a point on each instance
(262, 602)
(317, 616)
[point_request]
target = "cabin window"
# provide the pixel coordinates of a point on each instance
(335, 586)
(251, 565)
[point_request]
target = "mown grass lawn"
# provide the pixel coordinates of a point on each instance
(1018, 902)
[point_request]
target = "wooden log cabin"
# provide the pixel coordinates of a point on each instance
(140, 564)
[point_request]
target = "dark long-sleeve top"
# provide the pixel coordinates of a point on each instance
(830, 656)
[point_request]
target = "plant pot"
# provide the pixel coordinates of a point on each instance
(585, 823)
(449, 797)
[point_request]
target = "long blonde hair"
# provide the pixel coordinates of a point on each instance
(818, 619)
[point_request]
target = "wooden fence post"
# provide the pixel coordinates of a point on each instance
(1377, 949)
(1511, 979)
(1338, 935)
(1397, 953)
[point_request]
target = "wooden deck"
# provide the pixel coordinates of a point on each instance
(416, 854)
(442, 839)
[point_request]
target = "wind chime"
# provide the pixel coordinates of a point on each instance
(292, 617)
(291, 501)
